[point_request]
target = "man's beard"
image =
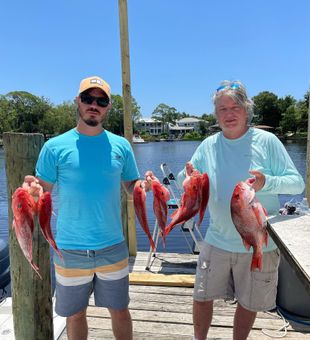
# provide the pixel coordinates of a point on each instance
(90, 121)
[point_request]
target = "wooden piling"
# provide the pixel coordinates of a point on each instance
(31, 296)
(127, 102)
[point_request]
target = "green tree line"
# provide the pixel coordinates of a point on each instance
(22, 111)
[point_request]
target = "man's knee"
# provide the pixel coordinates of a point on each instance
(81, 315)
(119, 314)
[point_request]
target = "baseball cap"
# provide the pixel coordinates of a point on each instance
(92, 82)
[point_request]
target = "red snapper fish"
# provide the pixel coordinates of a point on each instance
(205, 192)
(44, 208)
(139, 200)
(24, 209)
(193, 200)
(27, 202)
(161, 197)
(249, 217)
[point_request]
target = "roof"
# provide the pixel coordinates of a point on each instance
(180, 128)
(264, 127)
(148, 120)
(189, 120)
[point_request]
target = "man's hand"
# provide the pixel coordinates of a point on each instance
(259, 181)
(31, 184)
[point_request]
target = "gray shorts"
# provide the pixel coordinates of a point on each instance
(225, 275)
(81, 272)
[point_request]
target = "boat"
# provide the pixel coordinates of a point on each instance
(5, 277)
(137, 139)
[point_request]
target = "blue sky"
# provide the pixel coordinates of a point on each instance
(180, 50)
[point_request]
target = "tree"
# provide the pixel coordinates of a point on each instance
(59, 119)
(165, 114)
(302, 113)
(203, 128)
(266, 109)
(26, 111)
(115, 118)
(6, 119)
(285, 102)
(289, 120)
(210, 119)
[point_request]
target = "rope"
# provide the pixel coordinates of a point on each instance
(278, 333)
(292, 318)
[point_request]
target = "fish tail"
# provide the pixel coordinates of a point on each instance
(36, 269)
(257, 261)
(163, 237)
(58, 253)
(152, 242)
(168, 229)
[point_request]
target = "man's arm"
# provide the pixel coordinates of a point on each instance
(129, 186)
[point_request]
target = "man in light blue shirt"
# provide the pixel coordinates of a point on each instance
(88, 165)
(232, 155)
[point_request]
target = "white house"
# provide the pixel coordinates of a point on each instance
(155, 127)
(150, 125)
(189, 122)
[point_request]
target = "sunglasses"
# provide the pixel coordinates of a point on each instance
(231, 86)
(100, 101)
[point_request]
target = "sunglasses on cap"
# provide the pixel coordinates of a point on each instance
(100, 101)
(231, 86)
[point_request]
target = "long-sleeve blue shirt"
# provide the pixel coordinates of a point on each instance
(228, 161)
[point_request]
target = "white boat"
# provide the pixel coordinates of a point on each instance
(137, 140)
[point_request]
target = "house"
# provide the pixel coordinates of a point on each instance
(150, 125)
(189, 122)
(155, 127)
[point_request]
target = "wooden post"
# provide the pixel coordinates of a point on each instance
(31, 296)
(123, 18)
(308, 155)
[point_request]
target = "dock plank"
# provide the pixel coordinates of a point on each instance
(165, 312)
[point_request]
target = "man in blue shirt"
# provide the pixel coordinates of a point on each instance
(88, 165)
(232, 155)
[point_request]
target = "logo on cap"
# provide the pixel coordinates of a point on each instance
(96, 81)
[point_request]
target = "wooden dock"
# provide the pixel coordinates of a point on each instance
(161, 306)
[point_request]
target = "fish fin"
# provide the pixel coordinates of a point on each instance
(257, 262)
(260, 213)
(246, 244)
(174, 213)
(265, 240)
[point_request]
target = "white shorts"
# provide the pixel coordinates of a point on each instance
(225, 275)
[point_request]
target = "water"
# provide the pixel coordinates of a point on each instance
(149, 156)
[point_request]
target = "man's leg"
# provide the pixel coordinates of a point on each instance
(202, 317)
(77, 326)
(243, 322)
(121, 324)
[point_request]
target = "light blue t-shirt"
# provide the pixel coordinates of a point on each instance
(228, 161)
(88, 171)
